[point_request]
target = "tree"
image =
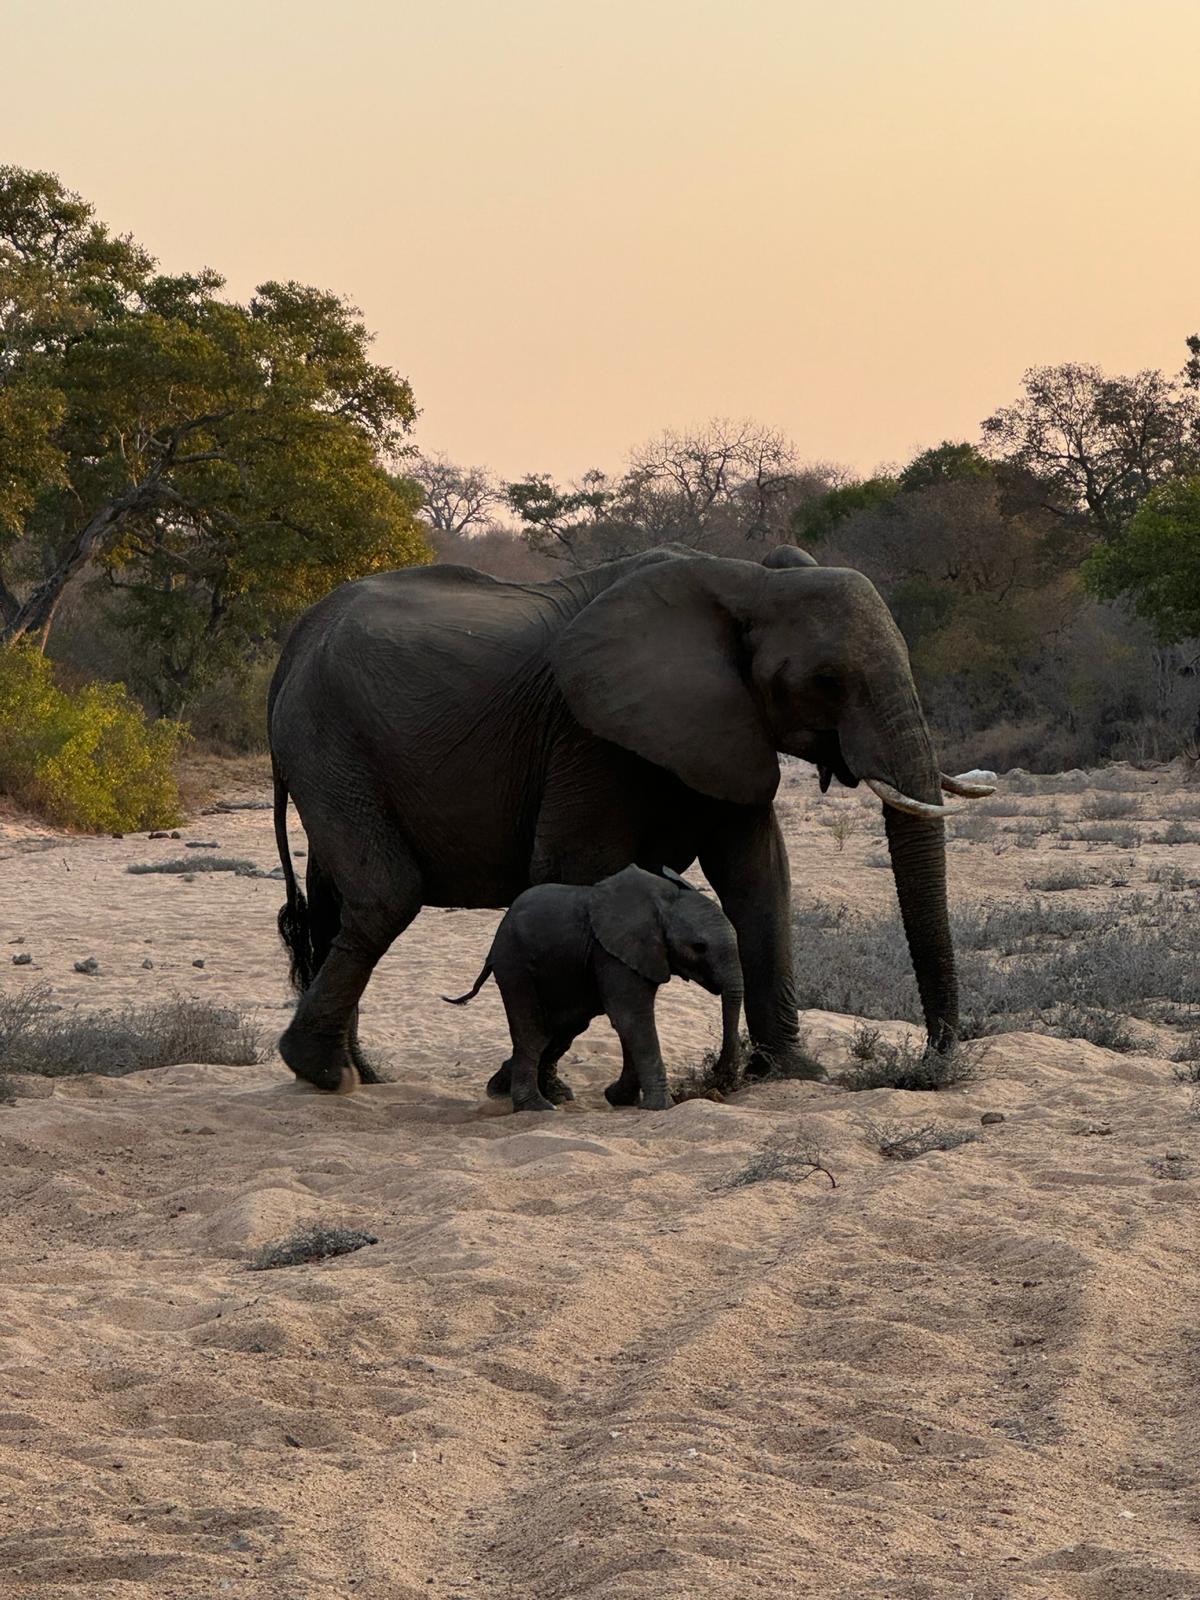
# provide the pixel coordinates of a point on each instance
(220, 464)
(726, 488)
(457, 500)
(813, 521)
(559, 522)
(945, 463)
(1099, 444)
(1155, 563)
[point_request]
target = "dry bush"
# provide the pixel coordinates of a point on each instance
(998, 805)
(317, 1243)
(1110, 808)
(908, 1065)
(1068, 877)
(1177, 833)
(700, 1082)
(189, 864)
(1063, 969)
(1114, 833)
(978, 829)
(841, 825)
(896, 1142)
(1116, 780)
(39, 1037)
(786, 1158)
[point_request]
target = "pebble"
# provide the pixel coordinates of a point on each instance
(160, 833)
(91, 966)
(199, 961)
(148, 965)
(24, 959)
(990, 1117)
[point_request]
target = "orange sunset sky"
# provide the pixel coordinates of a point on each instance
(573, 224)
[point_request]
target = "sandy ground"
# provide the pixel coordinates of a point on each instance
(578, 1363)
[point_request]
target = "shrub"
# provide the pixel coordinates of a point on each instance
(789, 1158)
(189, 864)
(1177, 833)
(84, 758)
(1110, 808)
(1046, 967)
(317, 1243)
(895, 1142)
(1110, 833)
(1065, 878)
(38, 1038)
(880, 1065)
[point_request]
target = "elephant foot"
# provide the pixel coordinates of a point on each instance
(657, 1100)
(622, 1093)
(499, 1085)
(555, 1089)
(788, 1062)
(534, 1102)
(319, 1060)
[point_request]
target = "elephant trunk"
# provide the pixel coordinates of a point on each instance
(917, 844)
(725, 1072)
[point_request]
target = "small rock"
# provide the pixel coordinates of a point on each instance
(160, 833)
(177, 835)
(148, 965)
(118, 835)
(989, 1118)
(199, 961)
(299, 854)
(91, 966)
(201, 844)
(24, 959)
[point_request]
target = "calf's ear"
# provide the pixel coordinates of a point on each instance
(626, 916)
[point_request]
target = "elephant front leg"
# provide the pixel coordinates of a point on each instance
(746, 863)
(629, 1001)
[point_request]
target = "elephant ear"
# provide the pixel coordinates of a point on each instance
(653, 664)
(625, 915)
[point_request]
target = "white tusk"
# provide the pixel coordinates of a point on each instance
(903, 802)
(968, 789)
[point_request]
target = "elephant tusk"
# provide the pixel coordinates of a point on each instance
(892, 796)
(965, 788)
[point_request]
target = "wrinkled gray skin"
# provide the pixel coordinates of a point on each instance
(450, 740)
(565, 954)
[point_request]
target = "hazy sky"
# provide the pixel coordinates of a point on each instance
(575, 222)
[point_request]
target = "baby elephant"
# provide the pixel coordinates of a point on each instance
(565, 953)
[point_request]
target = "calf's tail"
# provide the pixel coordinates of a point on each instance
(463, 999)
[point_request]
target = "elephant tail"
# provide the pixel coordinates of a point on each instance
(294, 927)
(464, 999)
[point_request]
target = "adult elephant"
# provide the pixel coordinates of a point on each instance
(449, 740)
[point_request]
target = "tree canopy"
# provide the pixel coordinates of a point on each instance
(220, 464)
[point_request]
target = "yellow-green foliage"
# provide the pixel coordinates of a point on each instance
(84, 758)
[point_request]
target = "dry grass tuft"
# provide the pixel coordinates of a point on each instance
(39, 1037)
(318, 1243)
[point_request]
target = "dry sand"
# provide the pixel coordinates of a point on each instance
(577, 1363)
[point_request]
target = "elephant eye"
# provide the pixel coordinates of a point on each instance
(700, 947)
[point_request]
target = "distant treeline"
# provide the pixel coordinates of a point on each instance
(181, 474)
(1046, 577)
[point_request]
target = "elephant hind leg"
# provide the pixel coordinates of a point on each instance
(364, 906)
(550, 1085)
(324, 924)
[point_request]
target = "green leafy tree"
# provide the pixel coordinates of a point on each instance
(945, 463)
(1154, 564)
(220, 464)
(815, 520)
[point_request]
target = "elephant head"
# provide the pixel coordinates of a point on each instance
(659, 926)
(710, 667)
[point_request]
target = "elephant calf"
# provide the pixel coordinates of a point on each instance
(565, 953)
